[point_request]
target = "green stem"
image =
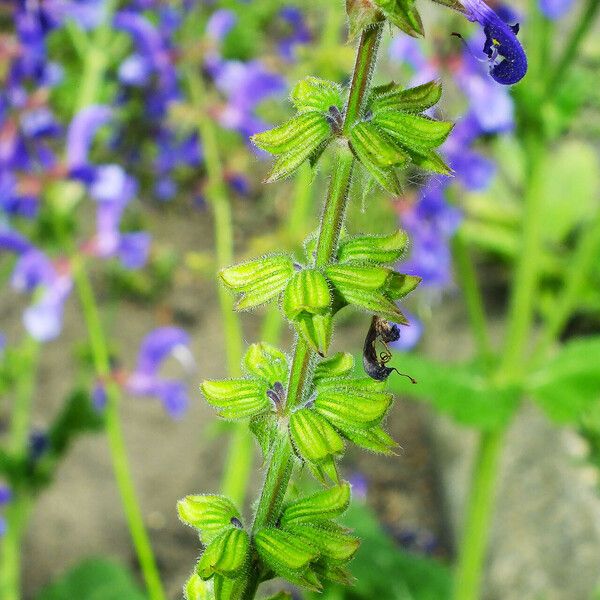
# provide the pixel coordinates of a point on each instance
(238, 463)
(19, 508)
(473, 546)
(20, 417)
(467, 280)
(280, 462)
(114, 431)
(586, 20)
(467, 582)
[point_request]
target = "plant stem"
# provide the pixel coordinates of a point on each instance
(280, 462)
(467, 582)
(467, 280)
(586, 20)
(238, 463)
(114, 431)
(17, 515)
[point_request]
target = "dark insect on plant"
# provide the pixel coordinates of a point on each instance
(381, 332)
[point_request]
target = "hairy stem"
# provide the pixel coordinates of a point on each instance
(114, 431)
(238, 463)
(280, 462)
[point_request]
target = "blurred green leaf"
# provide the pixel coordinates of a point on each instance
(567, 384)
(459, 390)
(94, 579)
(385, 571)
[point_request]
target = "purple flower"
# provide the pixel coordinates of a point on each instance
(360, 486)
(146, 380)
(506, 57)
(555, 9)
(5, 498)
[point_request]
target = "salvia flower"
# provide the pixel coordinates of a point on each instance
(506, 57)
(5, 498)
(146, 380)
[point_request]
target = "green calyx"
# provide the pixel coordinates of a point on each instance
(304, 137)
(393, 133)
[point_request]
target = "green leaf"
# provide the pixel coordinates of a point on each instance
(314, 438)
(237, 398)
(414, 132)
(385, 177)
(323, 505)
(458, 390)
(382, 150)
(267, 362)
(225, 555)
(208, 513)
(379, 249)
(402, 14)
(307, 292)
(413, 100)
(341, 363)
(259, 280)
(264, 428)
(567, 384)
(431, 161)
(308, 129)
(196, 588)
(93, 579)
(313, 93)
(333, 544)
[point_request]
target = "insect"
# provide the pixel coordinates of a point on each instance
(375, 360)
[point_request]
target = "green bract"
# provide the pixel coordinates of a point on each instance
(393, 133)
(403, 14)
(305, 136)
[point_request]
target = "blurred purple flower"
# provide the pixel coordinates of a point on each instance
(360, 486)
(5, 498)
(430, 221)
(81, 133)
(555, 9)
(245, 85)
(409, 336)
(131, 248)
(299, 34)
(220, 24)
(156, 347)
